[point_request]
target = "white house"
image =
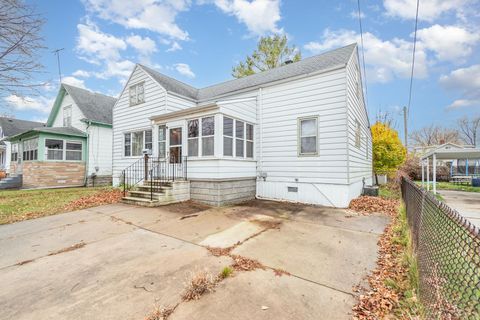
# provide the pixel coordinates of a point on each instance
(10, 127)
(299, 132)
(75, 147)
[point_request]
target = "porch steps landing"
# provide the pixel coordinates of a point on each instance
(167, 193)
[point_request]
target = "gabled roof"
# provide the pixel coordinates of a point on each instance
(11, 126)
(322, 62)
(94, 106)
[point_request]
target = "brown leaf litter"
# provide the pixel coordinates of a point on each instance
(367, 205)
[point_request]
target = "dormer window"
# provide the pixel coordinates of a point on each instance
(67, 116)
(137, 95)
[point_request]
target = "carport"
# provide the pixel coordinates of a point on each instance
(468, 154)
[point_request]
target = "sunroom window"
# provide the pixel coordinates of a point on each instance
(54, 149)
(239, 138)
(227, 137)
(193, 133)
(308, 136)
(14, 156)
(208, 136)
(73, 151)
(30, 149)
(162, 141)
(249, 138)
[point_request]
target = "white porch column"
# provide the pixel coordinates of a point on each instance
(423, 173)
(428, 174)
(434, 173)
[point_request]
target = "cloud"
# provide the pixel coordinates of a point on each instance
(448, 42)
(39, 104)
(385, 59)
(429, 10)
(174, 47)
(82, 73)
(145, 46)
(184, 69)
(260, 16)
(74, 82)
(154, 15)
(467, 82)
(96, 45)
(354, 15)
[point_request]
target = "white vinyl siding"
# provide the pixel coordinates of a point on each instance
(359, 135)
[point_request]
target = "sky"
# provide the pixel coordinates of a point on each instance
(199, 41)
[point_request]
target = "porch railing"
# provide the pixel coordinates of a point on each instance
(154, 173)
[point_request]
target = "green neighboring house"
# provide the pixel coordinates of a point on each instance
(74, 149)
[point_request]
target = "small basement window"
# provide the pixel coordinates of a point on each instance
(292, 189)
(308, 136)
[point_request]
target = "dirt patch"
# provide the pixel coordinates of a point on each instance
(199, 284)
(186, 207)
(67, 249)
(219, 252)
(281, 272)
(367, 205)
(161, 313)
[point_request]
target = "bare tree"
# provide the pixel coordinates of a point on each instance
(20, 45)
(387, 118)
(469, 129)
(434, 135)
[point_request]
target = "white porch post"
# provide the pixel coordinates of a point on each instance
(428, 174)
(434, 173)
(423, 173)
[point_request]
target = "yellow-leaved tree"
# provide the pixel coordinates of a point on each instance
(388, 150)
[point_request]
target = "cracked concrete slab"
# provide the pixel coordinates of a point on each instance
(233, 235)
(286, 297)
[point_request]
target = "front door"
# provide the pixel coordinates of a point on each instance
(175, 148)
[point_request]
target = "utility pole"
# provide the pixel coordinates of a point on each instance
(57, 53)
(405, 127)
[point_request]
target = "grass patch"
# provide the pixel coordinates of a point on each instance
(389, 192)
(18, 205)
(226, 272)
(451, 186)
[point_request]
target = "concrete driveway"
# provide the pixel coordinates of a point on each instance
(123, 262)
(466, 203)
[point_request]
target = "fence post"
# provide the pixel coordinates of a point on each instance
(146, 167)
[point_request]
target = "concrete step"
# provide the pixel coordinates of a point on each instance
(143, 194)
(140, 201)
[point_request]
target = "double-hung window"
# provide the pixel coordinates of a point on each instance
(308, 136)
(54, 149)
(162, 141)
(73, 151)
(137, 94)
(227, 137)
(239, 138)
(193, 136)
(14, 156)
(30, 149)
(135, 142)
(67, 116)
(208, 136)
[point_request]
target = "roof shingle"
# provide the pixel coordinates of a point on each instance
(11, 126)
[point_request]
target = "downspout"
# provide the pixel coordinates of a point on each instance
(87, 156)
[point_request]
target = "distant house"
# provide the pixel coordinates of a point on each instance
(75, 147)
(299, 132)
(10, 127)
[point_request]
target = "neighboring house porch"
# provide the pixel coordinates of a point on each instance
(49, 157)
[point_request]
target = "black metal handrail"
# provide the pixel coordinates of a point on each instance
(155, 172)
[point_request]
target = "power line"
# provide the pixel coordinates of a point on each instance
(363, 50)
(413, 60)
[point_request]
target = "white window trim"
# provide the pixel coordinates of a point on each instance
(136, 85)
(234, 137)
(200, 136)
(144, 143)
(69, 108)
(299, 137)
(64, 150)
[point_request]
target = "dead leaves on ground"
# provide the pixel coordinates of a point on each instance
(100, 198)
(367, 205)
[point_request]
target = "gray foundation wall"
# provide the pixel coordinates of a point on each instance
(99, 181)
(223, 192)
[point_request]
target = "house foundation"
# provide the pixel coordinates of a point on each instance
(222, 192)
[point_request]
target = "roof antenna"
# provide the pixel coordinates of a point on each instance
(57, 53)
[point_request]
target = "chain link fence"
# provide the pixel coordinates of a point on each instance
(448, 253)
